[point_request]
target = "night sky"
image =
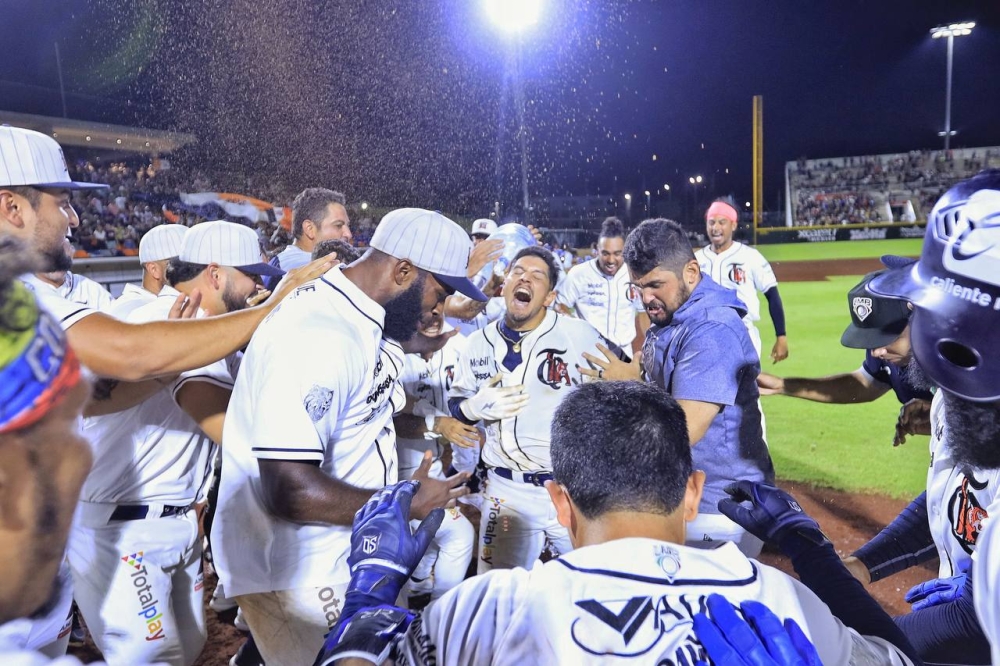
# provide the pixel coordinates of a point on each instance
(413, 102)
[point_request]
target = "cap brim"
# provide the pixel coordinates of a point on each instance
(463, 285)
(261, 269)
(855, 337)
(72, 185)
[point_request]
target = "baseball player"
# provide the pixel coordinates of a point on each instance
(600, 292)
(43, 461)
(156, 248)
(35, 208)
(135, 550)
(629, 592)
(318, 214)
(878, 325)
(309, 431)
(511, 376)
(481, 230)
(77, 288)
(698, 349)
(745, 270)
(428, 426)
(955, 290)
(469, 315)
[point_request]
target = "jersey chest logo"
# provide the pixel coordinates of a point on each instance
(966, 513)
(449, 376)
(737, 274)
(553, 370)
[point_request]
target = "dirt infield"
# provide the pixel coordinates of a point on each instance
(848, 519)
(820, 270)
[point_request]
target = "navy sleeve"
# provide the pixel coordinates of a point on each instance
(454, 407)
(904, 543)
(820, 569)
(948, 633)
(776, 309)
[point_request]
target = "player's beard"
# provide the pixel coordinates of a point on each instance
(56, 259)
(232, 301)
(915, 376)
(402, 313)
(683, 294)
(973, 431)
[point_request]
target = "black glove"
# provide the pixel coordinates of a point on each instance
(773, 515)
(369, 634)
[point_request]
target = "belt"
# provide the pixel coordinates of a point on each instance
(534, 478)
(140, 511)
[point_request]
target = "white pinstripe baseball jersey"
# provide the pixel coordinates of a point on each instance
(742, 269)
(606, 301)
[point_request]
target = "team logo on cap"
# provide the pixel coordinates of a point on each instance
(317, 402)
(862, 306)
(973, 244)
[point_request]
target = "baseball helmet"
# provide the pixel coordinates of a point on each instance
(955, 290)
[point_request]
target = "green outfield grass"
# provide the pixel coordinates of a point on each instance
(909, 247)
(848, 447)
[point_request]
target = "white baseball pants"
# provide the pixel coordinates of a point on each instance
(447, 558)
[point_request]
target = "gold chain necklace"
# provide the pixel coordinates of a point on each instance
(515, 343)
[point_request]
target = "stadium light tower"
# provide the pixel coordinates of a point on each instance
(513, 16)
(951, 31)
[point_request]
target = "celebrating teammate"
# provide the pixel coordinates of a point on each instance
(511, 376)
(309, 431)
(151, 468)
(156, 248)
(600, 292)
(878, 325)
(629, 591)
(318, 214)
(741, 268)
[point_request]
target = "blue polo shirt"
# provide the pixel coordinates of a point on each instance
(894, 376)
(705, 354)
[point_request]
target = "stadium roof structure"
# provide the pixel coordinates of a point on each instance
(101, 136)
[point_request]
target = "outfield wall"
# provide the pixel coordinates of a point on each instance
(840, 232)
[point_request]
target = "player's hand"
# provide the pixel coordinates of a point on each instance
(760, 640)
(297, 277)
(914, 419)
(435, 493)
(858, 570)
(456, 432)
(611, 368)
(486, 252)
(365, 637)
(779, 352)
(770, 384)
(773, 514)
(536, 233)
(258, 298)
(383, 550)
(185, 307)
(495, 403)
(941, 590)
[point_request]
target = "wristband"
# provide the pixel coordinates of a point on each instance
(429, 423)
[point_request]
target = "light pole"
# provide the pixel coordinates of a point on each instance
(514, 17)
(951, 31)
(648, 206)
(628, 207)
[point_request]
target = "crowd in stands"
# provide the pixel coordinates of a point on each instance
(855, 190)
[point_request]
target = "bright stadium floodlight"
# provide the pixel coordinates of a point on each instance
(666, 188)
(513, 16)
(691, 180)
(697, 179)
(951, 31)
(364, 205)
(628, 197)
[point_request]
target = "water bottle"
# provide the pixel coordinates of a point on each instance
(515, 237)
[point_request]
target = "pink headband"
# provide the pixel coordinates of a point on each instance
(721, 209)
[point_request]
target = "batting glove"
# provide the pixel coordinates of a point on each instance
(383, 550)
(495, 403)
(773, 514)
(369, 634)
(940, 590)
(760, 640)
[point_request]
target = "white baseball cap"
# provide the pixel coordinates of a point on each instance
(32, 158)
(431, 242)
(226, 244)
(483, 227)
(163, 241)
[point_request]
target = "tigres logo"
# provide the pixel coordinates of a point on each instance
(553, 370)
(966, 513)
(449, 376)
(737, 274)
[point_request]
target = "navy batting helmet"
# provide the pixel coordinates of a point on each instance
(955, 290)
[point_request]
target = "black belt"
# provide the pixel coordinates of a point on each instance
(140, 511)
(534, 478)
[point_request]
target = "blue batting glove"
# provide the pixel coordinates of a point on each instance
(368, 635)
(940, 590)
(760, 640)
(773, 514)
(384, 552)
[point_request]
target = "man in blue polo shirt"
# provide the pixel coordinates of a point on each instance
(699, 350)
(880, 326)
